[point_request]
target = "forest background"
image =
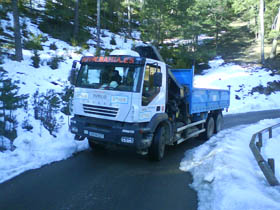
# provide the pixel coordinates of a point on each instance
(245, 31)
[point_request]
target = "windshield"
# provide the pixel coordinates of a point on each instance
(110, 76)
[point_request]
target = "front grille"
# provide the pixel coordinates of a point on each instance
(100, 110)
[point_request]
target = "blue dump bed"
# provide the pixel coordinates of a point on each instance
(201, 99)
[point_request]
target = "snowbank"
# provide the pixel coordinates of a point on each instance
(226, 175)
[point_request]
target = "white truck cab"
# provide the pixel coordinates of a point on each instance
(116, 97)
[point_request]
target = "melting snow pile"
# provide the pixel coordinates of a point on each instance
(226, 174)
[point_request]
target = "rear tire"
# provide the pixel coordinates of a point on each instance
(219, 122)
(209, 128)
(157, 149)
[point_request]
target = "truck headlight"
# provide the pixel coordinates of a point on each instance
(74, 129)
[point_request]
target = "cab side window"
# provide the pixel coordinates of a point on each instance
(149, 90)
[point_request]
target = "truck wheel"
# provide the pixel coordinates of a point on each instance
(94, 146)
(209, 129)
(156, 151)
(219, 121)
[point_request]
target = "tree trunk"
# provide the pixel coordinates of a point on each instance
(275, 40)
(129, 18)
(256, 15)
(217, 39)
(256, 28)
(76, 21)
(17, 34)
(98, 25)
(262, 29)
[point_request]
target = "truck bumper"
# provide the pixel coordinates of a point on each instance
(132, 135)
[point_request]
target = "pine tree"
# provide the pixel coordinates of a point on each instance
(46, 107)
(36, 105)
(248, 11)
(26, 122)
(10, 101)
(66, 97)
(52, 106)
(154, 21)
(36, 59)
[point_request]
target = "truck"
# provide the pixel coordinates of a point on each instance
(133, 99)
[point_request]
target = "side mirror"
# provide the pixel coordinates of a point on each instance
(74, 65)
(158, 79)
(73, 73)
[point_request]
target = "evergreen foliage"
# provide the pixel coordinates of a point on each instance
(46, 107)
(66, 97)
(54, 62)
(53, 46)
(26, 122)
(161, 22)
(36, 59)
(1, 55)
(175, 26)
(10, 101)
(248, 10)
(26, 125)
(24, 30)
(1, 29)
(113, 40)
(34, 42)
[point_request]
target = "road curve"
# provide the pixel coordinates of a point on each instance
(112, 180)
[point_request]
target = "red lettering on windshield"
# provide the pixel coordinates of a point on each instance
(106, 59)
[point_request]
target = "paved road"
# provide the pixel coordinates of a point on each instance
(112, 180)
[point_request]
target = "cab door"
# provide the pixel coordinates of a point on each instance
(153, 98)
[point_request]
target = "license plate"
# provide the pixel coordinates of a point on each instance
(97, 135)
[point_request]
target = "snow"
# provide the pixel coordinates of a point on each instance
(271, 150)
(125, 52)
(181, 42)
(225, 173)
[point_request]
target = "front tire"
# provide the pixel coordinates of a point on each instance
(157, 149)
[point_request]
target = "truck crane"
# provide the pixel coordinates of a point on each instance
(133, 99)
